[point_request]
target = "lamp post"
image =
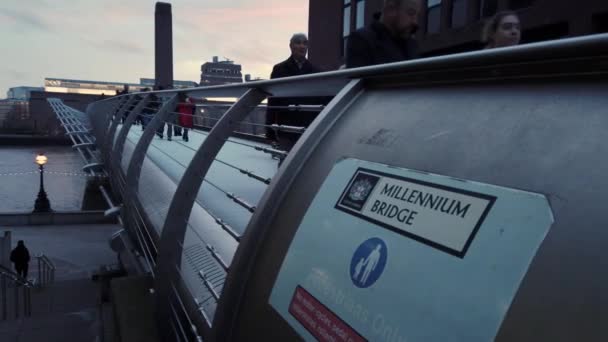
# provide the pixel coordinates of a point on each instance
(42, 202)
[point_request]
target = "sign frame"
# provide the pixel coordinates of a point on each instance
(457, 253)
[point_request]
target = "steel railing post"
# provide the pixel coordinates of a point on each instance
(16, 298)
(4, 298)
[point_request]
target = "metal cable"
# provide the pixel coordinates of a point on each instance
(243, 171)
(236, 199)
(301, 108)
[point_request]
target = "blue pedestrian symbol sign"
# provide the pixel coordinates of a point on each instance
(368, 262)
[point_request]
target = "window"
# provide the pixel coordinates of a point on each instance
(600, 23)
(346, 21)
(433, 21)
(360, 14)
(345, 25)
(459, 13)
(488, 8)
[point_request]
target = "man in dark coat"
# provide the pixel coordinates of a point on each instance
(20, 256)
(296, 65)
(387, 40)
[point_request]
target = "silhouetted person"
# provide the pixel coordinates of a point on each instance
(387, 40)
(157, 106)
(150, 110)
(296, 65)
(143, 116)
(20, 256)
(502, 30)
(125, 90)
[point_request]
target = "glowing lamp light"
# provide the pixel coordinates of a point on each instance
(41, 159)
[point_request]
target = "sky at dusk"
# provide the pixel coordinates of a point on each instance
(113, 40)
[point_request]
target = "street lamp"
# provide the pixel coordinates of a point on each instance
(42, 202)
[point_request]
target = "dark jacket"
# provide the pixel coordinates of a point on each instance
(290, 68)
(20, 255)
(375, 45)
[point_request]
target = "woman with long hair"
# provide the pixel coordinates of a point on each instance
(502, 30)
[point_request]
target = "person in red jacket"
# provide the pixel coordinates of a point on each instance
(186, 117)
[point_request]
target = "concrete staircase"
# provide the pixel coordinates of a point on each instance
(74, 308)
(67, 310)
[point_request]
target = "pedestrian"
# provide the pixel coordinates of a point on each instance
(149, 110)
(296, 65)
(142, 116)
(388, 39)
(502, 30)
(186, 118)
(20, 256)
(157, 106)
(124, 91)
(172, 128)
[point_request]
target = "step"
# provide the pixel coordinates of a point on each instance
(134, 309)
(82, 325)
(70, 295)
(59, 297)
(109, 331)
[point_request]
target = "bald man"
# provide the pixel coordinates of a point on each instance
(296, 65)
(387, 40)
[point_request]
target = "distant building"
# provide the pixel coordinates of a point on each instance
(59, 85)
(150, 82)
(220, 72)
(249, 79)
(27, 111)
(14, 117)
(35, 116)
(21, 93)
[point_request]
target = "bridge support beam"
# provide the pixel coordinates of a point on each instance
(176, 222)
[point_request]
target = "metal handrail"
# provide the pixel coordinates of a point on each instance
(46, 270)
(480, 65)
(8, 277)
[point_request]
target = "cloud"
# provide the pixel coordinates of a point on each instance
(14, 74)
(119, 46)
(254, 34)
(114, 39)
(28, 19)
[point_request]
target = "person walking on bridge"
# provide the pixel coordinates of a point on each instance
(20, 256)
(388, 39)
(296, 65)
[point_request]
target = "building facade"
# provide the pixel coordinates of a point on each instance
(35, 116)
(451, 26)
(21, 93)
(150, 82)
(220, 72)
(59, 85)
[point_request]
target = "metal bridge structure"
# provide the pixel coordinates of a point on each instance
(452, 198)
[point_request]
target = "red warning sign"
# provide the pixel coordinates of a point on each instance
(321, 322)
